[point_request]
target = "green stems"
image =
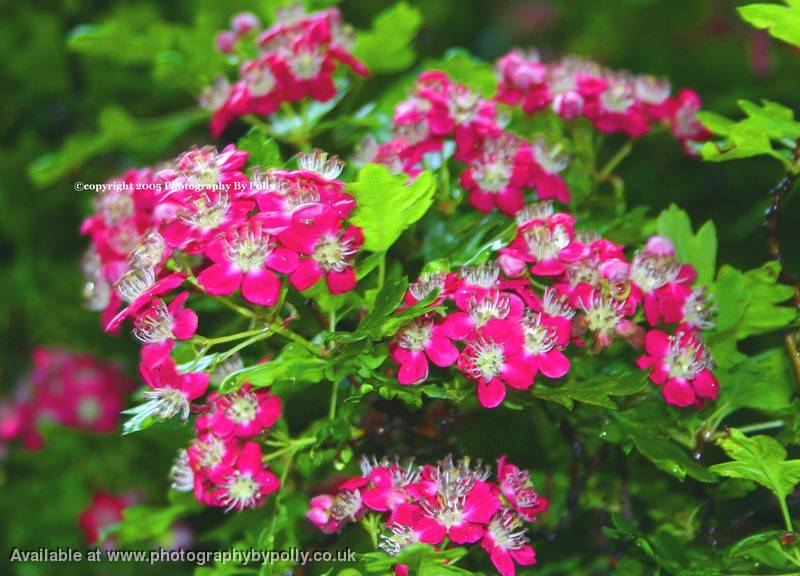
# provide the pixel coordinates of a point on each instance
(608, 169)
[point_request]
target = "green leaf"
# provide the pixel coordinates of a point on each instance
(264, 151)
(387, 205)
(388, 47)
(294, 365)
(464, 68)
(658, 448)
(763, 383)
(699, 250)
(716, 123)
(760, 459)
(596, 391)
(774, 119)
(748, 302)
(386, 302)
(146, 523)
(783, 22)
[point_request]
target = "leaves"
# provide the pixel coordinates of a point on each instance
(752, 136)
(462, 67)
(597, 391)
(386, 205)
(388, 47)
(294, 365)
(783, 22)
(699, 250)
(760, 459)
(264, 151)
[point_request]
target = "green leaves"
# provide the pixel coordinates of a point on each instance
(264, 151)
(388, 47)
(783, 22)
(597, 391)
(464, 68)
(754, 135)
(294, 365)
(387, 205)
(699, 250)
(760, 459)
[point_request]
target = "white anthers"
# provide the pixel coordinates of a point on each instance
(211, 451)
(248, 247)
(492, 170)
(453, 482)
(699, 310)
(536, 211)
(268, 181)
(395, 538)
(96, 289)
(651, 90)
(215, 95)
(485, 357)
(207, 211)
(651, 273)
(115, 204)
(618, 97)
(232, 364)
(240, 406)
(199, 166)
(507, 530)
(149, 251)
(306, 62)
(603, 313)
(346, 505)
(333, 252)
(555, 303)
(134, 283)
(260, 80)
(545, 242)
(463, 103)
(538, 337)
(317, 161)
(427, 283)
(161, 404)
(241, 491)
(415, 334)
(553, 159)
(181, 474)
(687, 357)
(583, 271)
(491, 305)
(154, 325)
(483, 275)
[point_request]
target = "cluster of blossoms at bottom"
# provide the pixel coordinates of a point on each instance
(457, 502)
(74, 390)
(295, 59)
(223, 464)
(553, 288)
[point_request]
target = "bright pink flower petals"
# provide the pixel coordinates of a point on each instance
(244, 413)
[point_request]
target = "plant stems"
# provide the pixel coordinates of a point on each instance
(615, 160)
(334, 399)
(381, 271)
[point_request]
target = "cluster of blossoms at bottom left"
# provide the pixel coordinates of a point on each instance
(452, 501)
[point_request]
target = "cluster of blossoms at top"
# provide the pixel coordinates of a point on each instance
(227, 233)
(74, 390)
(453, 501)
(552, 288)
(613, 101)
(500, 165)
(223, 464)
(290, 61)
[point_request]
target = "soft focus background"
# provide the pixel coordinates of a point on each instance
(121, 93)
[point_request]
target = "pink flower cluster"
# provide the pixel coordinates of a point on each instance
(552, 288)
(227, 233)
(74, 390)
(296, 59)
(613, 101)
(105, 510)
(500, 165)
(454, 501)
(223, 464)
(235, 233)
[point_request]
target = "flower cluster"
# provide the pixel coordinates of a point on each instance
(223, 464)
(201, 220)
(499, 165)
(292, 60)
(613, 101)
(552, 288)
(453, 501)
(74, 390)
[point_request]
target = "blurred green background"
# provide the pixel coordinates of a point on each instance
(50, 92)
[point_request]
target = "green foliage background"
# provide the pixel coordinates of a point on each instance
(52, 90)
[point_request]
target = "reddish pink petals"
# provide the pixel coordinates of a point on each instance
(262, 287)
(220, 279)
(492, 393)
